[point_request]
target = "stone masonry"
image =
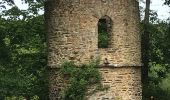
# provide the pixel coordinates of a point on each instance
(72, 27)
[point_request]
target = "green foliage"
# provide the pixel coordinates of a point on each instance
(21, 98)
(23, 55)
(81, 78)
(159, 51)
(160, 91)
(22, 72)
(103, 37)
(103, 40)
(159, 66)
(156, 91)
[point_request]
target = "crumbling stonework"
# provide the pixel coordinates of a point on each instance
(72, 27)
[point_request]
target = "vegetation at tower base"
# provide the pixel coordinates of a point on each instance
(83, 80)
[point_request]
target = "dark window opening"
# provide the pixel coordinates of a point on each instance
(104, 32)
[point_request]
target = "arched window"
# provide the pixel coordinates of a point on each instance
(104, 32)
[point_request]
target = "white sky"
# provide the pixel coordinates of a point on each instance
(157, 5)
(20, 4)
(162, 10)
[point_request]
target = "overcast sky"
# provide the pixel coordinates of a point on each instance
(162, 10)
(157, 5)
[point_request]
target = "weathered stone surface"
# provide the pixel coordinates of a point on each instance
(124, 84)
(72, 35)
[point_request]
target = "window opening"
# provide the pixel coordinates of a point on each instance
(104, 32)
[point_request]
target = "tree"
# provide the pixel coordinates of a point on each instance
(158, 66)
(167, 2)
(145, 43)
(23, 54)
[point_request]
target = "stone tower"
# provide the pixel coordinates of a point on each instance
(72, 27)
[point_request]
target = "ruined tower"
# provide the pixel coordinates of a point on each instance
(72, 27)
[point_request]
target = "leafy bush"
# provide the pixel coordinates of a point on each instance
(81, 78)
(156, 91)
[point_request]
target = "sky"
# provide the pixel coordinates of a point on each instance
(20, 4)
(163, 11)
(156, 5)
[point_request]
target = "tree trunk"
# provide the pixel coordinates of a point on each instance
(145, 44)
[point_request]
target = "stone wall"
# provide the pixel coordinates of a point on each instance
(72, 35)
(124, 84)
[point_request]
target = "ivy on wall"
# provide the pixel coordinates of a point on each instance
(84, 80)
